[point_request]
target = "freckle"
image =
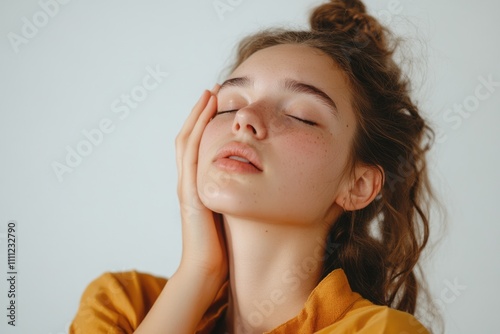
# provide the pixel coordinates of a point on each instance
(266, 231)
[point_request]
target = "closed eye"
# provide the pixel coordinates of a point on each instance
(226, 111)
(303, 120)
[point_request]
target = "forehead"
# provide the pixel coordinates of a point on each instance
(294, 60)
(301, 63)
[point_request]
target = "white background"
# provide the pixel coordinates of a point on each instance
(117, 210)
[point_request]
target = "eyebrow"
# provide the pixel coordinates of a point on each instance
(290, 85)
(236, 82)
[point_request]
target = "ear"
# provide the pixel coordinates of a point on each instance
(368, 181)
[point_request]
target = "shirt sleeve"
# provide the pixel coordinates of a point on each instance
(116, 303)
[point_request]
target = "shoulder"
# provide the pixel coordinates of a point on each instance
(116, 302)
(365, 317)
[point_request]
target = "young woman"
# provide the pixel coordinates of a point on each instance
(303, 193)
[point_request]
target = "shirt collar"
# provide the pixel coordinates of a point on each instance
(326, 304)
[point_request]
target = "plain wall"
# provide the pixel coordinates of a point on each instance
(117, 209)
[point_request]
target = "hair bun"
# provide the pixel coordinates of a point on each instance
(347, 16)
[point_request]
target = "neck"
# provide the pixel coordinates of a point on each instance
(272, 270)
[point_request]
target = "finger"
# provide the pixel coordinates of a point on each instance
(181, 139)
(193, 143)
(215, 89)
(190, 158)
(188, 124)
(193, 116)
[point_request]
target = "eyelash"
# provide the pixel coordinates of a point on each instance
(225, 111)
(311, 123)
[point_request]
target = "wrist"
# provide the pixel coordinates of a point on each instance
(210, 278)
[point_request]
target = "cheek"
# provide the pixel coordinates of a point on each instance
(315, 162)
(315, 150)
(206, 184)
(209, 137)
(209, 180)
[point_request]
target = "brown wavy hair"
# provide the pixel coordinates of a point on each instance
(378, 246)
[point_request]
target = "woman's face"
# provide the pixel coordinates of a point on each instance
(279, 146)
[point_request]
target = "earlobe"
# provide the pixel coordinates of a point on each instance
(367, 184)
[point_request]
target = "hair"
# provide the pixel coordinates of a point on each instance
(378, 246)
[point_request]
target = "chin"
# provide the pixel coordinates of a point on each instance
(249, 208)
(223, 193)
(224, 203)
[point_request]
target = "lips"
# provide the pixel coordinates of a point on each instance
(238, 157)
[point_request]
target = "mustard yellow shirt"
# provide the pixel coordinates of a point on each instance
(116, 303)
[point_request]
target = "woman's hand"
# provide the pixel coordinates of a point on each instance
(204, 268)
(203, 251)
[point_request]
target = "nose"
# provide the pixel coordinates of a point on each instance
(247, 121)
